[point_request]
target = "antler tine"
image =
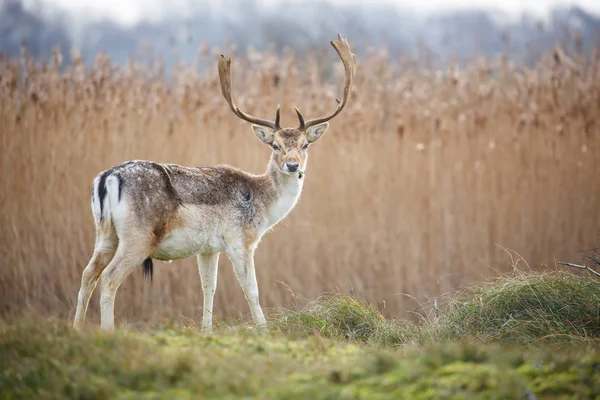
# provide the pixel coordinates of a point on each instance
(349, 60)
(225, 79)
(300, 118)
(277, 118)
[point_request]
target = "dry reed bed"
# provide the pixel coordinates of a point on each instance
(412, 190)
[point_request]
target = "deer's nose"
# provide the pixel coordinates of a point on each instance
(292, 166)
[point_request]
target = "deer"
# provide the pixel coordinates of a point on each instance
(145, 210)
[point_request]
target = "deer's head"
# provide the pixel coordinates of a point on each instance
(290, 145)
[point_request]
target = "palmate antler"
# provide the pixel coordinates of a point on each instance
(349, 61)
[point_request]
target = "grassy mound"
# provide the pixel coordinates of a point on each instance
(524, 308)
(343, 317)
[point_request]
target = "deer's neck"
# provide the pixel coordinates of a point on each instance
(287, 189)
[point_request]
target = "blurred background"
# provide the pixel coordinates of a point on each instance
(469, 146)
(448, 29)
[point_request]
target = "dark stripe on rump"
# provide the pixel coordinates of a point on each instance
(148, 267)
(121, 180)
(102, 187)
(102, 190)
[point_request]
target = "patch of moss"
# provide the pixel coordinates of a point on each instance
(422, 374)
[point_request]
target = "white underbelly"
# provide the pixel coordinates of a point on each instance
(184, 243)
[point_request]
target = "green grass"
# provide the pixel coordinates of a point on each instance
(343, 317)
(525, 308)
(519, 308)
(338, 347)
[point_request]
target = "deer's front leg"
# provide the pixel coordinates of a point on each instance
(243, 265)
(208, 266)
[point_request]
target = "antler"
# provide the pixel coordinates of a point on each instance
(225, 78)
(349, 60)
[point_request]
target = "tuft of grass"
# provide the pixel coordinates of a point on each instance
(344, 317)
(523, 308)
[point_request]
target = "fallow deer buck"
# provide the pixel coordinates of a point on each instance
(145, 210)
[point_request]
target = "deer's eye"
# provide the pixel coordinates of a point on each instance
(305, 146)
(275, 147)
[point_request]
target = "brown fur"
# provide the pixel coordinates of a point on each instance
(156, 191)
(290, 142)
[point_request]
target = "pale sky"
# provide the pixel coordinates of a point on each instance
(131, 11)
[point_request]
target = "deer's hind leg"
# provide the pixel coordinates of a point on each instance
(131, 253)
(104, 251)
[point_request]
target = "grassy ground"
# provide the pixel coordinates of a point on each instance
(518, 337)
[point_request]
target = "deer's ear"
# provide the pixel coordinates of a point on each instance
(263, 134)
(314, 133)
